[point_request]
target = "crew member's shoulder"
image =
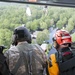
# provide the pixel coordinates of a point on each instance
(12, 50)
(37, 47)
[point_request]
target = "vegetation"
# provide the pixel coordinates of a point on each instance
(42, 36)
(41, 18)
(73, 37)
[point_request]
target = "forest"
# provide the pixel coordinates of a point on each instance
(40, 18)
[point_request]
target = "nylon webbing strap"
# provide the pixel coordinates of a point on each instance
(35, 57)
(17, 65)
(56, 55)
(67, 64)
(32, 64)
(25, 57)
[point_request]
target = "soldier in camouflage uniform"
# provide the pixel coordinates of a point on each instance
(17, 63)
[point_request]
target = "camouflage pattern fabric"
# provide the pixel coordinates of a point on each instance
(12, 56)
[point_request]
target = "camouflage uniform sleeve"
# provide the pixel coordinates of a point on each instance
(11, 55)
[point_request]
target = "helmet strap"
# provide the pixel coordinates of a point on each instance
(56, 45)
(14, 40)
